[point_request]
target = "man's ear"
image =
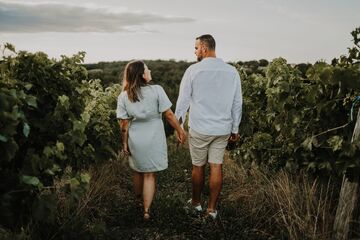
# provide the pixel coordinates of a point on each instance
(203, 48)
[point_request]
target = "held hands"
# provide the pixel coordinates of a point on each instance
(181, 136)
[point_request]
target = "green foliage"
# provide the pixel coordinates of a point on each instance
(51, 117)
(102, 129)
(253, 66)
(296, 122)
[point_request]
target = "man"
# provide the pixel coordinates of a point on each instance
(212, 90)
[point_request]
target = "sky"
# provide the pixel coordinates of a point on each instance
(113, 30)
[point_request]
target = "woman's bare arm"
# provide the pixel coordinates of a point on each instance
(171, 119)
(124, 126)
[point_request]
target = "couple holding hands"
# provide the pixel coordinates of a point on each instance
(211, 90)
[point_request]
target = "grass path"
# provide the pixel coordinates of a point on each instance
(170, 220)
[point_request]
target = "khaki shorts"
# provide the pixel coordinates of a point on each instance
(206, 148)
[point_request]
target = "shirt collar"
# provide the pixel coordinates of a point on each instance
(211, 59)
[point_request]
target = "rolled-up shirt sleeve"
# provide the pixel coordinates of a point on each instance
(183, 102)
(236, 110)
(121, 112)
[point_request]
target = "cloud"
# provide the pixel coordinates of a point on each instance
(293, 12)
(20, 17)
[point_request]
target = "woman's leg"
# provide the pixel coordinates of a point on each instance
(138, 180)
(148, 190)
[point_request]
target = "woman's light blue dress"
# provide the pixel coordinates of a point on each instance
(147, 140)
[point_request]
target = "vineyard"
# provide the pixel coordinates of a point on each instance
(62, 174)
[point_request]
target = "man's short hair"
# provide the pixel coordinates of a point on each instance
(208, 40)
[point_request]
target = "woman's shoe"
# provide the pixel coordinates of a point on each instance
(146, 216)
(196, 208)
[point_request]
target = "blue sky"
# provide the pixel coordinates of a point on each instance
(110, 30)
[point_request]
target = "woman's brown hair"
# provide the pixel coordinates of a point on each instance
(133, 80)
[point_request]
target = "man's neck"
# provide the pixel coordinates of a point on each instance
(211, 54)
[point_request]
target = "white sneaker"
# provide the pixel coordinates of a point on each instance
(213, 215)
(197, 208)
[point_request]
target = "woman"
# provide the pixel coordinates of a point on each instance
(139, 108)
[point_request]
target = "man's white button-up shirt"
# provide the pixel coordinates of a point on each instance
(212, 90)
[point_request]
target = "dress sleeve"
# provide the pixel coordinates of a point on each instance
(164, 102)
(121, 112)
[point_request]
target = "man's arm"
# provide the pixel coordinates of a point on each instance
(183, 102)
(236, 110)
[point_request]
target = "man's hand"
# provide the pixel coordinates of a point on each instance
(234, 137)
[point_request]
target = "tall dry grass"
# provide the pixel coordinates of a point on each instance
(305, 207)
(281, 205)
(109, 183)
(256, 204)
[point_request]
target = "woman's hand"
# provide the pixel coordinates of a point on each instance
(180, 133)
(126, 150)
(181, 136)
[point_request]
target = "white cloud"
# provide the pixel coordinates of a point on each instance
(290, 11)
(20, 17)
